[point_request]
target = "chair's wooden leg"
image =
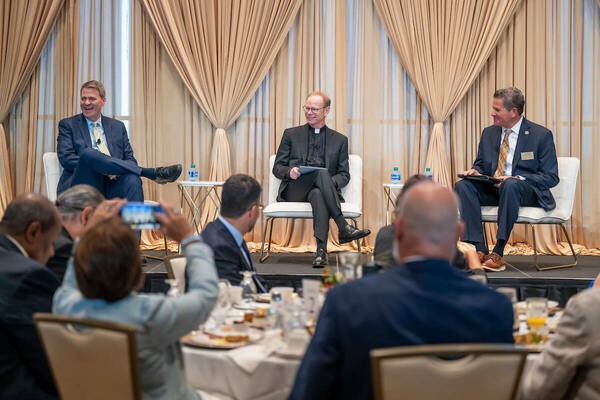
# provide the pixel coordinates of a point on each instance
(270, 236)
(166, 246)
(262, 247)
(541, 268)
(485, 241)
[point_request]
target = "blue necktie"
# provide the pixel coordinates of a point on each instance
(261, 288)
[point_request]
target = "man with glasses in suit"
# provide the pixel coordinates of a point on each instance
(316, 145)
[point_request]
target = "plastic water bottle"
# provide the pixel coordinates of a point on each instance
(193, 173)
(428, 173)
(395, 176)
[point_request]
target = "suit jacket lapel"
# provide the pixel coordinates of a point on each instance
(231, 239)
(520, 142)
(328, 139)
(496, 143)
(303, 137)
(84, 131)
(107, 134)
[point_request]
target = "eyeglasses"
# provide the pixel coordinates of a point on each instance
(311, 109)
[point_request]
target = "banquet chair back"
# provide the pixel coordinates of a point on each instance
(448, 371)
(351, 207)
(90, 359)
(52, 172)
(176, 270)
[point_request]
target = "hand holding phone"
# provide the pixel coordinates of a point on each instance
(140, 215)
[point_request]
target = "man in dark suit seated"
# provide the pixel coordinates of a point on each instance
(240, 208)
(316, 145)
(95, 150)
(28, 228)
(423, 300)
(75, 206)
(522, 156)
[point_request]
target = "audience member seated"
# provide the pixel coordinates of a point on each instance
(101, 283)
(28, 228)
(568, 368)
(384, 242)
(423, 300)
(75, 207)
(240, 207)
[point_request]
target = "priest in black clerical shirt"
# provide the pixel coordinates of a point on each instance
(316, 145)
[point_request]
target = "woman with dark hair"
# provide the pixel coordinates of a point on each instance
(101, 282)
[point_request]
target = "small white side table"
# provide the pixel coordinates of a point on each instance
(390, 197)
(195, 194)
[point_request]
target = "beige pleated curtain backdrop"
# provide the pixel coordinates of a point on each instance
(443, 45)
(222, 49)
(24, 29)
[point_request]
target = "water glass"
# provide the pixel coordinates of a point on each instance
(348, 262)
(537, 313)
(511, 293)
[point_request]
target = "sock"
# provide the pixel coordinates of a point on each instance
(340, 221)
(149, 173)
(499, 248)
(321, 245)
(480, 246)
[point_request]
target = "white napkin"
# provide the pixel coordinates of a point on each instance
(249, 357)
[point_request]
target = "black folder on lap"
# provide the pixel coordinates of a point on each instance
(480, 178)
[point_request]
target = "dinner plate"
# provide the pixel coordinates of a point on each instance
(208, 341)
(250, 305)
(285, 352)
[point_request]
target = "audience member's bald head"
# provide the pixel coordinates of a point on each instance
(34, 222)
(427, 221)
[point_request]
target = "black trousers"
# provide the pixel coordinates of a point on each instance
(319, 189)
(511, 194)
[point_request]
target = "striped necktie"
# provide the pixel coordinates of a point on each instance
(99, 142)
(502, 154)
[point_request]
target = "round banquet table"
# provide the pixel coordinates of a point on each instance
(213, 372)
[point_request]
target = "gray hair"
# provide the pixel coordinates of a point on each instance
(72, 201)
(511, 97)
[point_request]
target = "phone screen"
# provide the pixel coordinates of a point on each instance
(140, 215)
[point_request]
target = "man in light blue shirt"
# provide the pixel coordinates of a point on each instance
(94, 149)
(240, 208)
(521, 156)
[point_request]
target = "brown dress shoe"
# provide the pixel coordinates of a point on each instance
(494, 262)
(482, 256)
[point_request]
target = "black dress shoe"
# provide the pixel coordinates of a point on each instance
(167, 174)
(321, 259)
(350, 233)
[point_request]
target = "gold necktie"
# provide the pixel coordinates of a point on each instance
(99, 142)
(502, 155)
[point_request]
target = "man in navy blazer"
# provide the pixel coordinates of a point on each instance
(95, 150)
(28, 229)
(423, 300)
(519, 153)
(240, 208)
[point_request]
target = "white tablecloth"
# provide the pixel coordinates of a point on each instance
(213, 372)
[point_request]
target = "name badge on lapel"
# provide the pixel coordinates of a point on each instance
(527, 155)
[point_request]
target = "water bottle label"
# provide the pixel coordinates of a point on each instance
(395, 177)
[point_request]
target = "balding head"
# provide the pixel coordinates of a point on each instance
(32, 220)
(427, 222)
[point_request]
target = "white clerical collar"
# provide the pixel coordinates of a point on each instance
(16, 243)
